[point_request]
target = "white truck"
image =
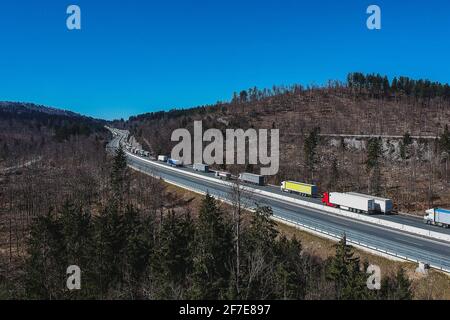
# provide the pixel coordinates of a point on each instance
(162, 158)
(223, 175)
(382, 205)
(200, 167)
(252, 178)
(438, 216)
(175, 163)
(350, 202)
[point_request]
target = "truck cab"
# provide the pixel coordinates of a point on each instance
(326, 200)
(429, 216)
(437, 216)
(223, 175)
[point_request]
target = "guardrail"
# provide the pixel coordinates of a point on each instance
(336, 211)
(365, 245)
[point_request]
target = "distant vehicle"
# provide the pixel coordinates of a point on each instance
(381, 204)
(350, 202)
(223, 175)
(174, 163)
(201, 167)
(299, 188)
(162, 158)
(437, 216)
(146, 154)
(252, 178)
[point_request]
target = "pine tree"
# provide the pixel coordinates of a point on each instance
(77, 237)
(118, 177)
(138, 249)
(173, 259)
(397, 287)
(404, 144)
(403, 291)
(374, 153)
(214, 252)
(343, 149)
(310, 151)
(259, 256)
(345, 270)
(56, 242)
(109, 243)
(262, 230)
(334, 175)
(444, 140)
(45, 265)
(5, 151)
(76, 232)
(290, 276)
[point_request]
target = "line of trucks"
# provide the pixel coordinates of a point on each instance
(350, 201)
(137, 151)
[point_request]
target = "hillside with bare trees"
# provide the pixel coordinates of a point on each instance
(405, 120)
(65, 200)
(68, 202)
(47, 156)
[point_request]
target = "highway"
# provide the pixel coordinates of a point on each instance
(376, 238)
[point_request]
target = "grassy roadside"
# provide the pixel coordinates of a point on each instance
(434, 286)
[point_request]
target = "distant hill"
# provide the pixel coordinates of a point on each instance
(63, 122)
(26, 129)
(19, 108)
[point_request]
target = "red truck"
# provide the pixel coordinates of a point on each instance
(326, 200)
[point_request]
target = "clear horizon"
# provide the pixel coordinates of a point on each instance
(136, 57)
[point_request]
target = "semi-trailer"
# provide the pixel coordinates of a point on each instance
(223, 175)
(438, 216)
(201, 167)
(382, 205)
(145, 153)
(299, 188)
(174, 163)
(252, 178)
(350, 202)
(162, 158)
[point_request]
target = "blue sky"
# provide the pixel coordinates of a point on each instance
(138, 56)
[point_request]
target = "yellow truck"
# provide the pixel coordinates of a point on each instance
(303, 189)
